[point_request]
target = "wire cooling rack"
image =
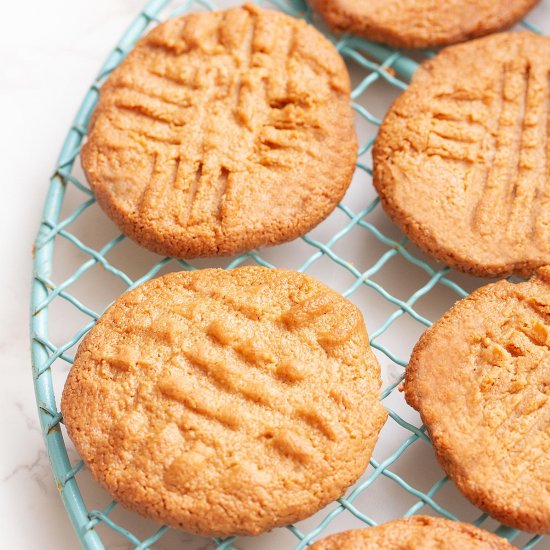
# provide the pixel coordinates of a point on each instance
(81, 265)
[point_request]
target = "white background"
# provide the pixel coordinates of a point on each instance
(50, 52)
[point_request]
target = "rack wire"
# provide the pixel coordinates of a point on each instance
(64, 230)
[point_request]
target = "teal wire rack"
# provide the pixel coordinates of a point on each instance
(81, 264)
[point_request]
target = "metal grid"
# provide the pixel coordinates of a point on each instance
(376, 65)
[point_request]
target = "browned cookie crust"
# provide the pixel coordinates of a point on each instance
(226, 402)
(421, 23)
(416, 532)
(480, 378)
(221, 132)
(460, 162)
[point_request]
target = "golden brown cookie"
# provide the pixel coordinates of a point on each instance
(416, 532)
(460, 161)
(222, 132)
(226, 402)
(480, 378)
(421, 23)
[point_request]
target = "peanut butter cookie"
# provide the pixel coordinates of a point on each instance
(420, 532)
(226, 402)
(460, 162)
(421, 23)
(480, 378)
(221, 132)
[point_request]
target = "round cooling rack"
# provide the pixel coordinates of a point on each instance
(81, 264)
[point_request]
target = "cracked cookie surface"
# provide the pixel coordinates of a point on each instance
(226, 402)
(415, 532)
(461, 159)
(480, 378)
(421, 23)
(221, 132)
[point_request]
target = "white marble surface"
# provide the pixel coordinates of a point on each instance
(50, 52)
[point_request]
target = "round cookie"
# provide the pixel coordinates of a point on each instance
(221, 132)
(421, 23)
(226, 402)
(480, 378)
(460, 162)
(415, 532)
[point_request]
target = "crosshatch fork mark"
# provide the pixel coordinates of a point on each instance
(223, 182)
(498, 162)
(267, 391)
(542, 209)
(193, 191)
(507, 205)
(155, 191)
(171, 104)
(531, 171)
(250, 374)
